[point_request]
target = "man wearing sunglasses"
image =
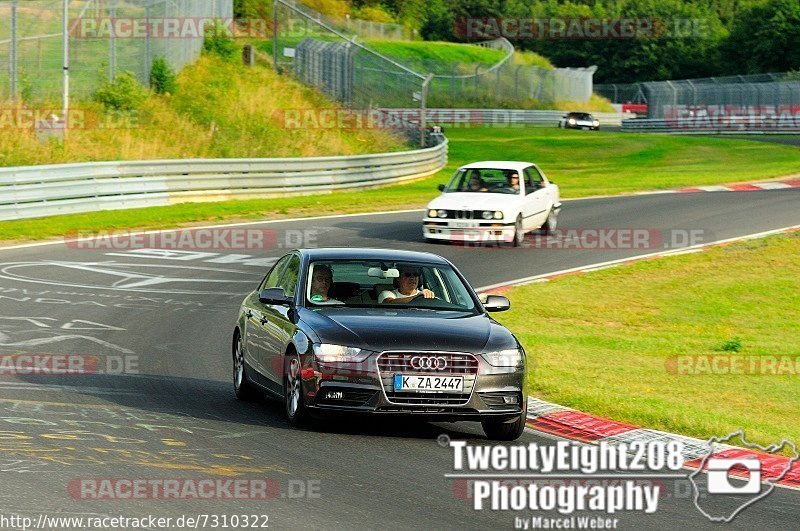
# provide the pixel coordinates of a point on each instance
(406, 287)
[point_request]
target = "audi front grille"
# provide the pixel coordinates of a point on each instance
(407, 363)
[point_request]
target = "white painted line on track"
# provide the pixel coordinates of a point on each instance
(613, 263)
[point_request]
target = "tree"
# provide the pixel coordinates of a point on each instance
(766, 38)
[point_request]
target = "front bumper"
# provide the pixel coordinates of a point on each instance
(490, 392)
(481, 231)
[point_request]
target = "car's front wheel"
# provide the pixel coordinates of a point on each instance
(505, 430)
(242, 387)
(296, 410)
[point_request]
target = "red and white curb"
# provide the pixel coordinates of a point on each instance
(744, 187)
(574, 425)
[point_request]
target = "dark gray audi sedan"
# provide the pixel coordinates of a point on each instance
(379, 332)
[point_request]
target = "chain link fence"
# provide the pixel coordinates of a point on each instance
(322, 53)
(770, 94)
(106, 37)
(380, 81)
(621, 92)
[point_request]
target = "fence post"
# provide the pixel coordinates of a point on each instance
(275, 35)
(112, 43)
(148, 52)
(12, 59)
(423, 106)
(65, 46)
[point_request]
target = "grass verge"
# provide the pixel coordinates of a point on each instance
(606, 343)
(582, 163)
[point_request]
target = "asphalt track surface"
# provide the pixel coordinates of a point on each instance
(178, 418)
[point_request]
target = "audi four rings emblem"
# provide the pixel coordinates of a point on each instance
(436, 363)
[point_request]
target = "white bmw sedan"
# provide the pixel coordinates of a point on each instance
(493, 201)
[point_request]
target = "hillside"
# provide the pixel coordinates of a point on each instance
(219, 109)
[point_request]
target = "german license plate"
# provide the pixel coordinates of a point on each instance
(429, 384)
(465, 224)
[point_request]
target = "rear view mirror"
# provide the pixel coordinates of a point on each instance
(497, 303)
(441, 187)
(377, 272)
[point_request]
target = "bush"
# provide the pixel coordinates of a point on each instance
(732, 345)
(124, 93)
(162, 77)
(217, 41)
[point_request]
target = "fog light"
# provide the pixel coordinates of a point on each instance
(510, 399)
(335, 395)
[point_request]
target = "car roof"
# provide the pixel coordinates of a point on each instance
(499, 164)
(362, 253)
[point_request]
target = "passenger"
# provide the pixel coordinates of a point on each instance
(321, 282)
(513, 181)
(476, 184)
(406, 287)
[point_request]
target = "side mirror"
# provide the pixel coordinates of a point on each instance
(497, 303)
(274, 296)
(441, 187)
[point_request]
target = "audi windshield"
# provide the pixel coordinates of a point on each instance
(387, 284)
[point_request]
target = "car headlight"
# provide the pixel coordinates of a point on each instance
(442, 213)
(498, 215)
(432, 213)
(572, 121)
(329, 353)
(504, 358)
(596, 123)
(487, 214)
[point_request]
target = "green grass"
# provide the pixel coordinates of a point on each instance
(585, 163)
(582, 163)
(602, 342)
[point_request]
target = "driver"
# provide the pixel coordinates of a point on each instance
(321, 282)
(405, 287)
(513, 181)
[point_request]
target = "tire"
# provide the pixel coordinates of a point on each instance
(519, 233)
(242, 387)
(551, 222)
(296, 411)
(506, 430)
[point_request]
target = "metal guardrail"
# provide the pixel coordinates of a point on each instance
(505, 117)
(36, 191)
(731, 125)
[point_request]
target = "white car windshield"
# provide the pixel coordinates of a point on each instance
(485, 180)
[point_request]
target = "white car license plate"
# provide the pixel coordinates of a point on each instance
(431, 384)
(465, 224)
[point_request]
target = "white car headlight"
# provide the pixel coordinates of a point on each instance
(442, 213)
(596, 123)
(329, 353)
(498, 215)
(572, 121)
(487, 214)
(432, 213)
(504, 358)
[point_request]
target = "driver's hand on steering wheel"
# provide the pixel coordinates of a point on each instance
(428, 294)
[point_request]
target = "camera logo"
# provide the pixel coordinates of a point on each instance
(738, 476)
(719, 476)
